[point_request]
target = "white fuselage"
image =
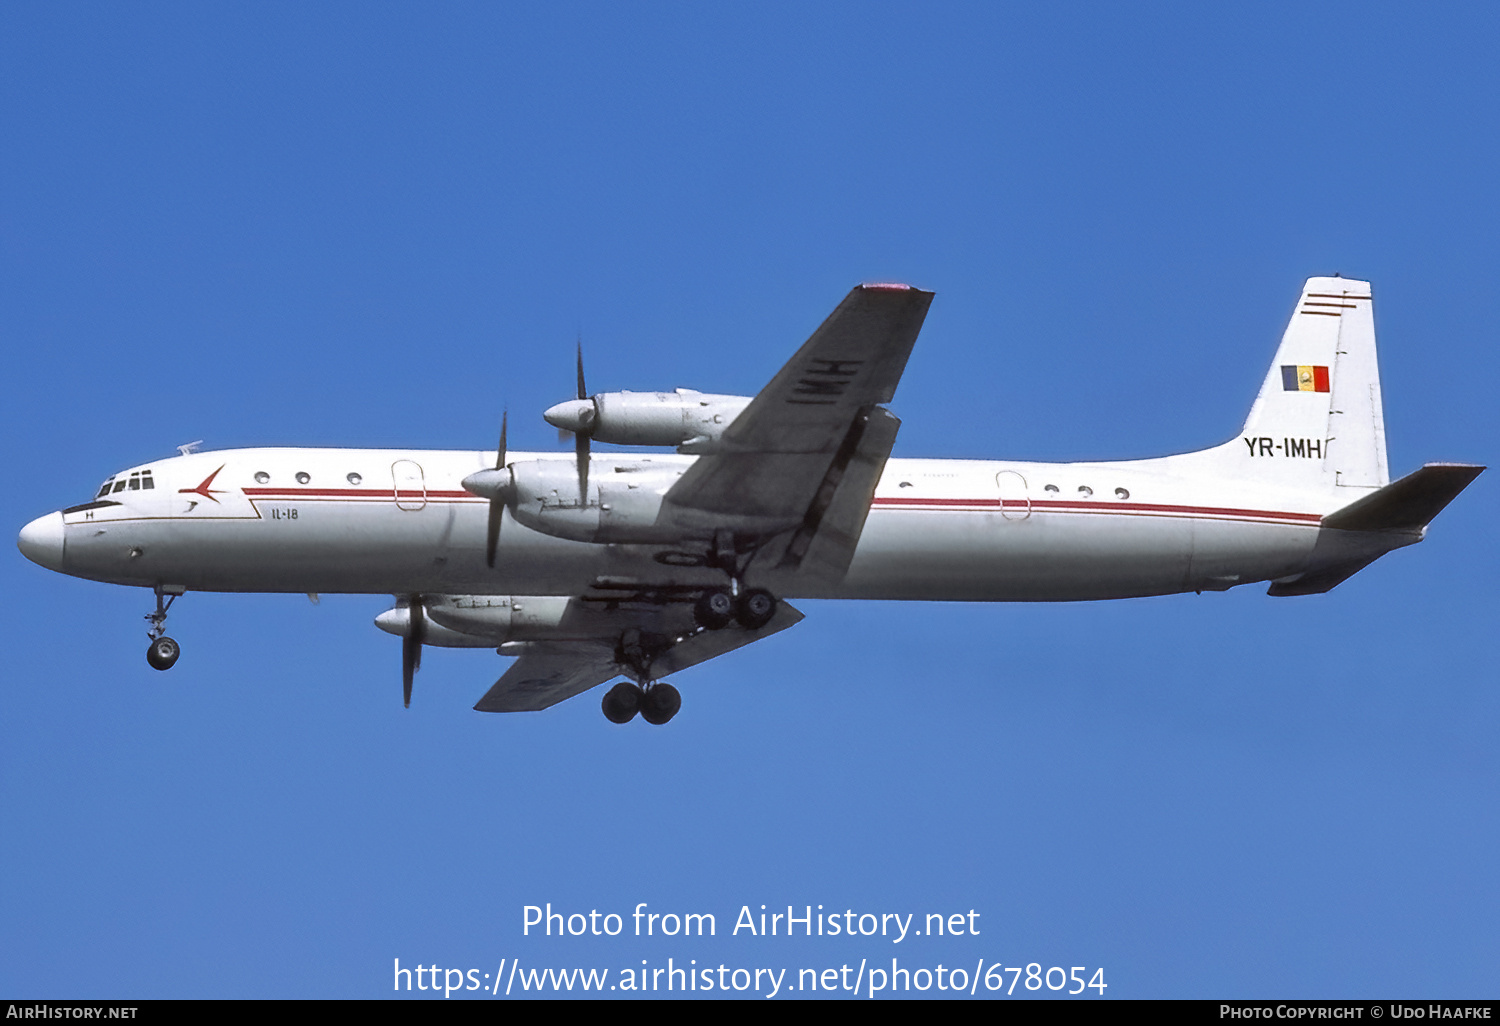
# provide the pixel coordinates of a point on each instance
(398, 522)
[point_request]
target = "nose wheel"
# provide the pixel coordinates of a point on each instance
(163, 651)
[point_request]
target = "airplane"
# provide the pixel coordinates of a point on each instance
(591, 566)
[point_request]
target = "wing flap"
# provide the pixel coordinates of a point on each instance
(823, 546)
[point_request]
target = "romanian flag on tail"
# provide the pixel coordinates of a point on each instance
(1304, 378)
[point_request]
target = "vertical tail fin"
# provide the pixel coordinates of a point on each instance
(1318, 423)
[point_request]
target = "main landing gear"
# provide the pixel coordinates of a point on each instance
(163, 652)
(716, 608)
(657, 703)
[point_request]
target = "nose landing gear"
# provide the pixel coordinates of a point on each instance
(163, 651)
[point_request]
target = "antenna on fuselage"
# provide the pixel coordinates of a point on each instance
(190, 447)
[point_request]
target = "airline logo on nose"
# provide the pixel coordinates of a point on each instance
(203, 488)
(1304, 378)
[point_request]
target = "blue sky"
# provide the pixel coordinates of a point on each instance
(379, 225)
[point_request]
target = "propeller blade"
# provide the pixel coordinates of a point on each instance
(580, 439)
(581, 448)
(411, 647)
(497, 504)
(492, 532)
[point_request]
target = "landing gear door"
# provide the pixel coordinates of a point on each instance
(410, 485)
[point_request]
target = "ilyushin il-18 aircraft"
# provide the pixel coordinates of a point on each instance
(591, 566)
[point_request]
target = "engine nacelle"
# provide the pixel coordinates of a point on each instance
(504, 617)
(491, 621)
(397, 621)
(692, 421)
(622, 504)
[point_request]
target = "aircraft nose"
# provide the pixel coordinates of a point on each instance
(41, 541)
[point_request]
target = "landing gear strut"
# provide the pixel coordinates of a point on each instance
(163, 651)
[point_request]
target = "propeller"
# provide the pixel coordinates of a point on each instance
(498, 486)
(411, 647)
(497, 504)
(581, 438)
(577, 418)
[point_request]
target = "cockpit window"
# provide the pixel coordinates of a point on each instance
(135, 482)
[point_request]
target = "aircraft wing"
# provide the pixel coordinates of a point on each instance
(549, 672)
(705, 645)
(805, 455)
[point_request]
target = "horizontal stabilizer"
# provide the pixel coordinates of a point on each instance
(1319, 581)
(1408, 504)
